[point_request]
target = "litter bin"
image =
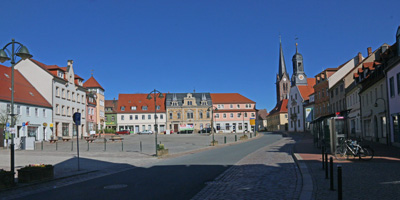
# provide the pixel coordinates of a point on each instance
(23, 142)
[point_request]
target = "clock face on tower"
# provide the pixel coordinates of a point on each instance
(284, 79)
(301, 77)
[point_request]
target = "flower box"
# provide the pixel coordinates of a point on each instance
(35, 173)
(6, 179)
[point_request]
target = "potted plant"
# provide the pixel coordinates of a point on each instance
(35, 172)
(6, 179)
(161, 150)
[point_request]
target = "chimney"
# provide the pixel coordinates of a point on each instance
(360, 57)
(70, 62)
(369, 50)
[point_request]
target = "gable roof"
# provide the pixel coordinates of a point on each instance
(229, 98)
(181, 96)
(139, 100)
(52, 69)
(307, 90)
(92, 83)
(281, 107)
(24, 92)
(262, 114)
(111, 104)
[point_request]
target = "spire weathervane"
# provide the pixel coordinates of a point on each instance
(92, 70)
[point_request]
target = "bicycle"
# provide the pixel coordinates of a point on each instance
(348, 148)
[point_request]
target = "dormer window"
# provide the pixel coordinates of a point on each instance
(144, 107)
(133, 107)
(60, 74)
(123, 108)
(158, 107)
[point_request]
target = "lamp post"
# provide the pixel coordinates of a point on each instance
(387, 118)
(155, 94)
(211, 108)
(22, 52)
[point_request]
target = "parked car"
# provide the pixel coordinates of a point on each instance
(206, 130)
(185, 131)
(146, 132)
(123, 132)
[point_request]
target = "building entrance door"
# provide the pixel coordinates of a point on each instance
(176, 128)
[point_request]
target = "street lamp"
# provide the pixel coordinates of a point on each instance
(387, 118)
(211, 108)
(155, 94)
(22, 52)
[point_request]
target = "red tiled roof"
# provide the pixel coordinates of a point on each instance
(306, 90)
(52, 69)
(281, 107)
(78, 77)
(262, 114)
(229, 98)
(24, 92)
(92, 83)
(139, 100)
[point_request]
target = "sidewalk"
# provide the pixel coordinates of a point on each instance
(378, 178)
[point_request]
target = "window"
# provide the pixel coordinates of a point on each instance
(231, 106)
(170, 115)
(179, 115)
(144, 107)
(19, 110)
(63, 110)
(57, 109)
(37, 112)
(57, 91)
(133, 107)
(341, 88)
(161, 116)
(143, 117)
(253, 114)
(27, 111)
(332, 94)
(201, 115)
(238, 115)
(112, 118)
(208, 114)
(298, 109)
(83, 99)
(122, 117)
(217, 115)
(68, 111)
(238, 106)
(231, 115)
(136, 117)
(123, 108)
(245, 114)
(158, 107)
(398, 83)
(190, 115)
(224, 115)
(73, 96)
(227, 126)
(298, 124)
(391, 82)
(130, 117)
(295, 96)
(106, 118)
(148, 116)
(189, 103)
(68, 97)
(63, 93)
(336, 91)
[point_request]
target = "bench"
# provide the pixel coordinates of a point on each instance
(90, 139)
(113, 138)
(66, 139)
(52, 141)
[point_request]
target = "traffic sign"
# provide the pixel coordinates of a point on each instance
(8, 124)
(51, 125)
(23, 123)
(77, 118)
(45, 124)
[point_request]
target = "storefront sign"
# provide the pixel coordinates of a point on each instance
(45, 124)
(252, 122)
(51, 125)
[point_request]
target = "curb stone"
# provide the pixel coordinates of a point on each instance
(307, 186)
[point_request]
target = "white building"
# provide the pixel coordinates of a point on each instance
(297, 96)
(136, 113)
(34, 113)
(63, 89)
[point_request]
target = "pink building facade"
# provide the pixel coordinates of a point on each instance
(233, 113)
(91, 113)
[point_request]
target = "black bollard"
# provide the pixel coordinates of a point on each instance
(87, 146)
(122, 145)
(225, 139)
(56, 145)
(42, 145)
(251, 135)
(72, 145)
(339, 177)
(140, 146)
(323, 161)
(235, 138)
(105, 144)
(331, 170)
(326, 166)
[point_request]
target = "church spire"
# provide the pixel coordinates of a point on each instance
(282, 66)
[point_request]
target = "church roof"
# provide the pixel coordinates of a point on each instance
(281, 107)
(282, 65)
(92, 83)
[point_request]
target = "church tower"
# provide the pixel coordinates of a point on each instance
(282, 78)
(298, 77)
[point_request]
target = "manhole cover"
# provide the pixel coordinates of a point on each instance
(114, 187)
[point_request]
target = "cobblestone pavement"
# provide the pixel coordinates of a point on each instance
(269, 173)
(375, 179)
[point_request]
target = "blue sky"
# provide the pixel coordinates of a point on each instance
(210, 46)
